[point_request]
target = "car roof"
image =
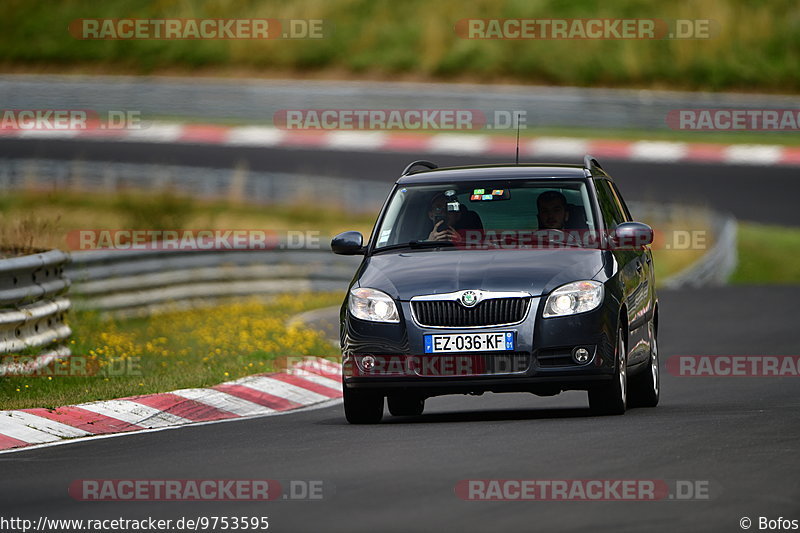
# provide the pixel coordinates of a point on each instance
(489, 172)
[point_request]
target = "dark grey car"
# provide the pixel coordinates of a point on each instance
(500, 279)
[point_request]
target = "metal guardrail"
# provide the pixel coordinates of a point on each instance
(253, 100)
(29, 278)
(141, 282)
(33, 307)
(131, 283)
(717, 264)
(265, 188)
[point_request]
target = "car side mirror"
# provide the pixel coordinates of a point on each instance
(348, 243)
(632, 235)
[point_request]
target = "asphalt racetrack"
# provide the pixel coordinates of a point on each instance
(759, 193)
(736, 436)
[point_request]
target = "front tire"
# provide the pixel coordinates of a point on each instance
(404, 405)
(612, 398)
(362, 407)
(646, 387)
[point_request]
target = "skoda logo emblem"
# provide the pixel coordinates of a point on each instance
(469, 298)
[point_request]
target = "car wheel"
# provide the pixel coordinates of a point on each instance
(646, 387)
(362, 407)
(405, 405)
(612, 398)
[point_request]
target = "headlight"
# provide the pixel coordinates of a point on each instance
(372, 305)
(573, 298)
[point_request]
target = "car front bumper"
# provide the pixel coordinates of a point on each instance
(390, 358)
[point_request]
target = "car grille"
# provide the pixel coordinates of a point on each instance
(451, 314)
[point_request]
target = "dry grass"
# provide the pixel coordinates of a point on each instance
(44, 219)
(28, 233)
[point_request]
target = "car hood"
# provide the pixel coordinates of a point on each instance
(414, 273)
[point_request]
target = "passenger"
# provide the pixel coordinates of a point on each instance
(553, 213)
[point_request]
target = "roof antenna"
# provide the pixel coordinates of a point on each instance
(518, 121)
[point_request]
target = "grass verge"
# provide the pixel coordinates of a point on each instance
(767, 254)
(669, 262)
(180, 349)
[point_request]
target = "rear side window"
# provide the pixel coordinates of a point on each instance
(621, 202)
(612, 211)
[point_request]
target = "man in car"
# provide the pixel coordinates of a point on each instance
(553, 213)
(447, 223)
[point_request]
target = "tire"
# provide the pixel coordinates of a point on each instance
(645, 388)
(362, 407)
(612, 398)
(404, 405)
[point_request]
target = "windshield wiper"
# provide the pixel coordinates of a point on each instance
(415, 245)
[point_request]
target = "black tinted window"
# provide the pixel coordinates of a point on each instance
(623, 207)
(609, 207)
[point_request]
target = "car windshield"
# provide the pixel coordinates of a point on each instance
(422, 215)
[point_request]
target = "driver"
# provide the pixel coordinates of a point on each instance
(553, 212)
(447, 224)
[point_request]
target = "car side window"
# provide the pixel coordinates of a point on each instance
(610, 209)
(621, 203)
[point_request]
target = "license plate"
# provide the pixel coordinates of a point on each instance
(499, 341)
